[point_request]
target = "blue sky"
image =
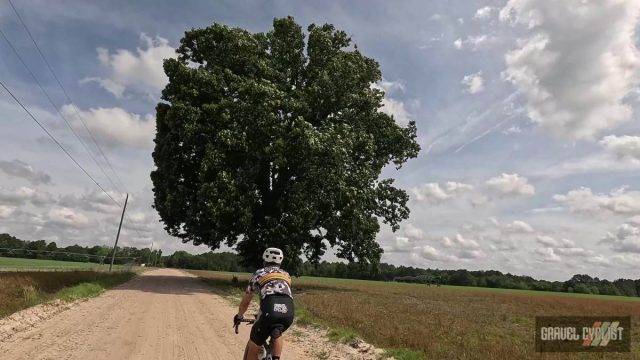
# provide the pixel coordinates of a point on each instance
(526, 112)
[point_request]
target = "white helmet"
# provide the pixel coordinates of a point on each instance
(273, 255)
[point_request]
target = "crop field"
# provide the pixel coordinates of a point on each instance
(21, 289)
(7, 263)
(416, 321)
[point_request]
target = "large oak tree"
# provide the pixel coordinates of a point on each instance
(277, 139)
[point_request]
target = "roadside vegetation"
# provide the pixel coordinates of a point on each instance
(19, 290)
(19, 264)
(415, 321)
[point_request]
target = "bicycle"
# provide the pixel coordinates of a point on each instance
(266, 353)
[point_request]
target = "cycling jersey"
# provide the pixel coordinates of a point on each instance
(270, 280)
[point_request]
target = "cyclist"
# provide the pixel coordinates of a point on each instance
(276, 305)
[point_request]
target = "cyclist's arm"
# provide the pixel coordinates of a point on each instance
(244, 303)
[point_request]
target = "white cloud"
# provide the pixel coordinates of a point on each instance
(471, 254)
(519, 227)
(23, 195)
(412, 232)
(430, 253)
(578, 65)
(433, 193)
(140, 71)
(460, 242)
(512, 130)
(6, 211)
(548, 241)
(20, 169)
(94, 200)
(474, 43)
(510, 185)
(67, 217)
(474, 83)
(400, 244)
(619, 201)
(390, 106)
(548, 254)
(626, 239)
(115, 126)
(484, 12)
(625, 147)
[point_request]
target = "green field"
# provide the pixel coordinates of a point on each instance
(40, 264)
(416, 321)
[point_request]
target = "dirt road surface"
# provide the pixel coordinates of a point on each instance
(162, 314)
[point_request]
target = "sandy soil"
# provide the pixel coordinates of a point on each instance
(162, 314)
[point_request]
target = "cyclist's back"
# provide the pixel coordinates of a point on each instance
(276, 302)
(273, 284)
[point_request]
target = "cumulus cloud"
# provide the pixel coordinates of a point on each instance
(460, 242)
(474, 83)
(626, 239)
(140, 71)
(67, 217)
(391, 106)
(430, 253)
(484, 13)
(510, 185)
(624, 147)
(433, 193)
(549, 241)
(583, 200)
(94, 200)
(6, 211)
(115, 126)
(474, 43)
(20, 169)
(400, 244)
(518, 227)
(24, 195)
(578, 65)
(548, 254)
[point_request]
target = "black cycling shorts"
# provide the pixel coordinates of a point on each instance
(276, 312)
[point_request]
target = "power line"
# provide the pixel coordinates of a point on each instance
(56, 141)
(77, 113)
(46, 94)
(66, 94)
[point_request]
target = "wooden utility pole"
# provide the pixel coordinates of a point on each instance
(115, 246)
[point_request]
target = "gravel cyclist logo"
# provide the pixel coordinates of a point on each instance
(583, 333)
(281, 308)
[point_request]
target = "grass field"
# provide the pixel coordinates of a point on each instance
(414, 321)
(7, 263)
(22, 289)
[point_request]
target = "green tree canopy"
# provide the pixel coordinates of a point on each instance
(277, 139)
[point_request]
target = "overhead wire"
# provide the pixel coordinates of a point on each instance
(55, 140)
(64, 91)
(75, 109)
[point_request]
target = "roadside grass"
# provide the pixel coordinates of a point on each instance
(403, 354)
(8, 263)
(415, 321)
(342, 335)
(20, 290)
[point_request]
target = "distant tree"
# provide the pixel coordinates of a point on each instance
(265, 140)
(52, 246)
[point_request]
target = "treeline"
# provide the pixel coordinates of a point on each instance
(386, 272)
(11, 246)
(225, 261)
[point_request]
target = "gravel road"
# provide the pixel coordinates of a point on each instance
(161, 314)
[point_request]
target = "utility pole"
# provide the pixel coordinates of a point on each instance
(150, 254)
(115, 246)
